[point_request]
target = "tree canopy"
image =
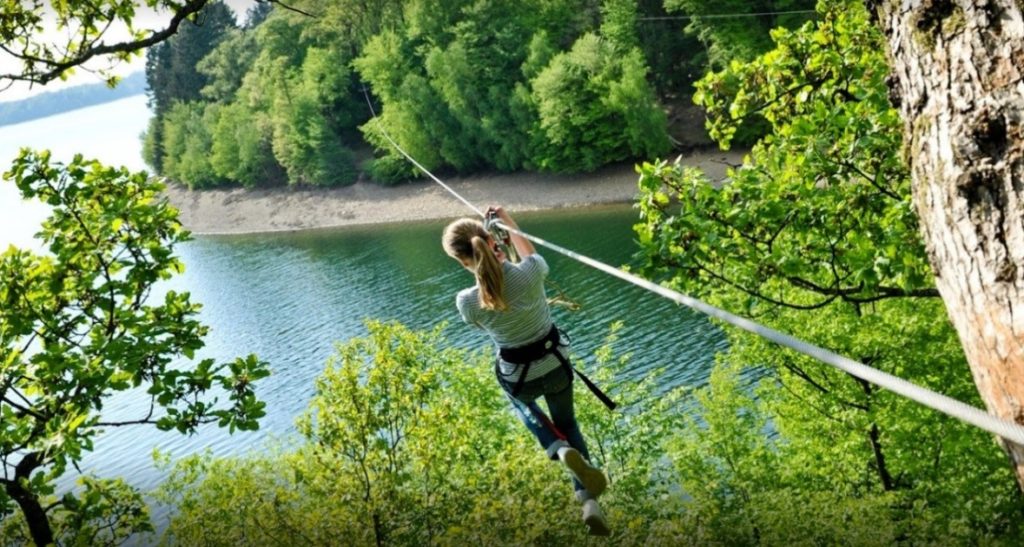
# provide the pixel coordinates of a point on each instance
(816, 235)
(463, 86)
(81, 322)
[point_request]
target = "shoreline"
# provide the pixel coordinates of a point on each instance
(237, 211)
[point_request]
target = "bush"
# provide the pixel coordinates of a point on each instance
(408, 444)
(596, 107)
(187, 145)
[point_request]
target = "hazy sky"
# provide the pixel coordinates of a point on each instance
(145, 18)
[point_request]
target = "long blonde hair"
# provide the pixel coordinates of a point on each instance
(466, 240)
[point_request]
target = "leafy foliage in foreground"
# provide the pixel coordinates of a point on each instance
(80, 324)
(822, 205)
(408, 444)
(815, 236)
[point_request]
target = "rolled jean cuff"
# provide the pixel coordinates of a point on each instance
(552, 448)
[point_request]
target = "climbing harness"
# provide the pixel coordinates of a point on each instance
(526, 355)
(975, 416)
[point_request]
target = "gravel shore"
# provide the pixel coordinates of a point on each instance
(236, 211)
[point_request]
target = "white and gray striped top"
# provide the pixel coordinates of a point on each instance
(527, 318)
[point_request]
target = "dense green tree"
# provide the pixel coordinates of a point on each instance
(806, 481)
(619, 23)
(466, 85)
(281, 110)
(308, 117)
(186, 131)
(676, 59)
(468, 80)
(737, 30)
(225, 66)
(171, 68)
(241, 149)
(78, 326)
(351, 23)
(823, 205)
(460, 60)
(412, 444)
(595, 107)
(733, 31)
(473, 76)
(407, 98)
(815, 235)
(241, 142)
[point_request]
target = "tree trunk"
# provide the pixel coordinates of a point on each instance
(28, 501)
(957, 80)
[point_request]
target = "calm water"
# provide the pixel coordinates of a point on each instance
(290, 297)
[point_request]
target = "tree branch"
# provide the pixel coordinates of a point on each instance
(790, 91)
(147, 420)
(287, 7)
(846, 294)
(24, 410)
(873, 181)
(758, 294)
(57, 68)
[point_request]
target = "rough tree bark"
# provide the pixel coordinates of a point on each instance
(957, 80)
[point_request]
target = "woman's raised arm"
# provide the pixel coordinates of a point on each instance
(524, 247)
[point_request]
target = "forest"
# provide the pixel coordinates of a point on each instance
(288, 97)
(820, 234)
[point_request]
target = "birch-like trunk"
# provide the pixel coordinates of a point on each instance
(957, 80)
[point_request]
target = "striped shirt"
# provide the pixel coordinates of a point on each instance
(526, 320)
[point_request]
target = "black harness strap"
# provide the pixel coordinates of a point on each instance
(526, 355)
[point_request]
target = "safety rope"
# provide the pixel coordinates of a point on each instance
(937, 401)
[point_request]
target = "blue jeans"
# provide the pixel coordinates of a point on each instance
(556, 389)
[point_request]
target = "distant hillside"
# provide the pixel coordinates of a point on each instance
(56, 102)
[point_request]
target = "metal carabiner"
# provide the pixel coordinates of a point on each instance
(500, 235)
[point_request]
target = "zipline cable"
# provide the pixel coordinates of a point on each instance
(721, 15)
(937, 401)
(414, 162)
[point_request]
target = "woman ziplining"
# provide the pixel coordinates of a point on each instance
(508, 302)
(1005, 429)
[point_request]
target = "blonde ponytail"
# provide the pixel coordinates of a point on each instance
(489, 276)
(466, 240)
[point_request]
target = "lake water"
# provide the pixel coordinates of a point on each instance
(289, 297)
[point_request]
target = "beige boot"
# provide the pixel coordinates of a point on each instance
(590, 477)
(593, 517)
